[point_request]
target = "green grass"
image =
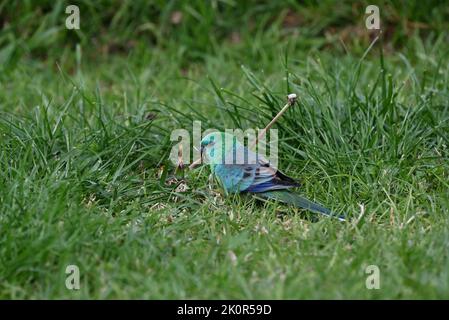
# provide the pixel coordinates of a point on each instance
(85, 140)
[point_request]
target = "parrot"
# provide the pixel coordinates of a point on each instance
(240, 170)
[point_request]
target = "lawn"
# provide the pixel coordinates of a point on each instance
(85, 123)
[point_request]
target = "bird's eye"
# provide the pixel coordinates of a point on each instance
(207, 143)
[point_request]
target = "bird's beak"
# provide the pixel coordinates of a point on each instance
(201, 153)
(199, 161)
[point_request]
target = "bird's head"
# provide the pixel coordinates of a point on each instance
(216, 146)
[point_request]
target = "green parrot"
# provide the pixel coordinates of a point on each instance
(239, 170)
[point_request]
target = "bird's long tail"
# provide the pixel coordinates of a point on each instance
(289, 197)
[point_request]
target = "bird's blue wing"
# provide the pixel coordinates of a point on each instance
(255, 174)
(267, 178)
